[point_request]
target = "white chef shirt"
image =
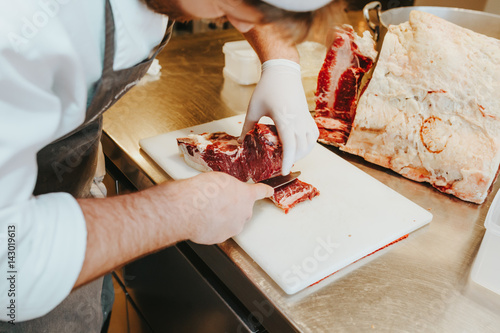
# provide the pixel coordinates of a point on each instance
(51, 53)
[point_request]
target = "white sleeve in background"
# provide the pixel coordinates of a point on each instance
(42, 95)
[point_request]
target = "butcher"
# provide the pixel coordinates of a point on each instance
(63, 63)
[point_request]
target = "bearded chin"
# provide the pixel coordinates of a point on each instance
(171, 8)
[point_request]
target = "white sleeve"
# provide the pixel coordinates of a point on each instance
(40, 99)
(44, 254)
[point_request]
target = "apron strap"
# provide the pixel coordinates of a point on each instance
(109, 48)
(166, 38)
(109, 45)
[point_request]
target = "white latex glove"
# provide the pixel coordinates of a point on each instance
(280, 96)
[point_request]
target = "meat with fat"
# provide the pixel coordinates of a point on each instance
(258, 157)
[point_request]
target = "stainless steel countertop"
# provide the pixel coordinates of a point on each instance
(417, 285)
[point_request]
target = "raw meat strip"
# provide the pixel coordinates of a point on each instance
(287, 196)
(349, 58)
(257, 158)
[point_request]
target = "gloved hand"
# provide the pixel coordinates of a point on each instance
(280, 96)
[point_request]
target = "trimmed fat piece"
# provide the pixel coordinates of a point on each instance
(349, 58)
(259, 157)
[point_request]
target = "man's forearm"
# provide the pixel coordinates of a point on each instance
(207, 209)
(269, 44)
(123, 228)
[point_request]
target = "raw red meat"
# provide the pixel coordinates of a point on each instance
(350, 57)
(287, 196)
(259, 157)
(263, 152)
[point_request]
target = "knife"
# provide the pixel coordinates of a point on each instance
(278, 181)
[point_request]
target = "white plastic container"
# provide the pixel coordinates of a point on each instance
(242, 64)
(485, 273)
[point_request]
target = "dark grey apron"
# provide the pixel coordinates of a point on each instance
(68, 165)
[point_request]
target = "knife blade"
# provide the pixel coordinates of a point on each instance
(278, 181)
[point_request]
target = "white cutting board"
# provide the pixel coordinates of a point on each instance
(353, 216)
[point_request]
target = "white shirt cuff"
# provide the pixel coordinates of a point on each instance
(50, 244)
